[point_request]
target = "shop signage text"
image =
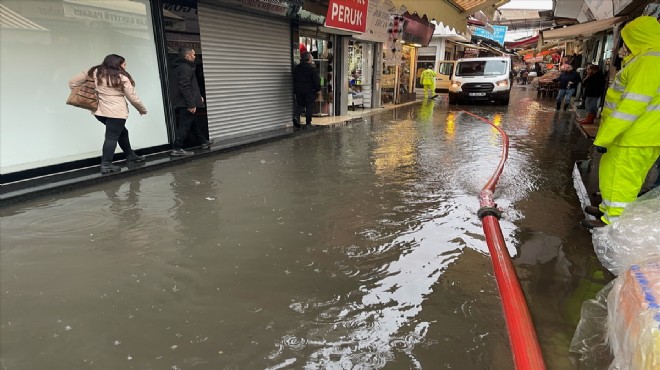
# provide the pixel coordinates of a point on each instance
(378, 19)
(498, 35)
(350, 15)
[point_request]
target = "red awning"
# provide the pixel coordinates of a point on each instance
(523, 42)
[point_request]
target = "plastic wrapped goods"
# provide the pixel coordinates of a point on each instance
(589, 347)
(633, 237)
(634, 317)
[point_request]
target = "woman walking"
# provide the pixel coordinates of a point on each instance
(114, 85)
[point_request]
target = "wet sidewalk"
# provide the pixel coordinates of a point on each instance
(63, 181)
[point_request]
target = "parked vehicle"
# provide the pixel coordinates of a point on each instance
(444, 74)
(481, 79)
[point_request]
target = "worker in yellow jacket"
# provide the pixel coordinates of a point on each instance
(629, 135)
(427, 79)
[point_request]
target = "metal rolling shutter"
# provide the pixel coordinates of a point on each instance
(247, 72)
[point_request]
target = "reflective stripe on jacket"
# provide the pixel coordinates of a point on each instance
(631, 113)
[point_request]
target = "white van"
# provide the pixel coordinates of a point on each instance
(485, 79)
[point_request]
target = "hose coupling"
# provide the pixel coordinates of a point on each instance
(489, 211)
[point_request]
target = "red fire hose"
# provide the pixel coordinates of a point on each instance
(522, 336)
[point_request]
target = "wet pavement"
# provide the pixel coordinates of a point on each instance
(350, 247)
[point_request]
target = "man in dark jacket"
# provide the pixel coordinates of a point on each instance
(594, 89)
(568, 81)
(306, 83)
(186, 98)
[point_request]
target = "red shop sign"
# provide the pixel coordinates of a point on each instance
(349, 15)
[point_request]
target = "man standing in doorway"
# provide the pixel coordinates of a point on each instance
(186, 98)
(306, 83)
(427, 79)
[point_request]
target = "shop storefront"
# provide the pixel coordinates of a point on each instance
(55, 40)
(243, 68)
(400, 56)
(322, 47)
(364, 58)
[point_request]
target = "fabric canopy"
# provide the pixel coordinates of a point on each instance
(580, 30)
(523, 42)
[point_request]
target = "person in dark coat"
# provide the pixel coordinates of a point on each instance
(306, 83)
(568, 81)
(594, 89)
(186, 98)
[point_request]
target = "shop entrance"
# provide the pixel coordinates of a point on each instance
(360, 74)
(182, 31)
(397, 80)
(321, 46)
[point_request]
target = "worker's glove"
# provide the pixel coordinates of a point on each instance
(601, 149)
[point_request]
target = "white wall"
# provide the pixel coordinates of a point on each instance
(37, 128)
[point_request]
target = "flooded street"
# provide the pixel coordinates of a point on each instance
(350, 247)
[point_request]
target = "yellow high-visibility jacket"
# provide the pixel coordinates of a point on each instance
(631, 113)
(427, 77)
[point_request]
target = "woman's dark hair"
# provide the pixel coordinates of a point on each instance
(111, 70)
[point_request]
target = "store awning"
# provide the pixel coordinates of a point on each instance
(449, 33)
(481, 47)
(451, 13)
(417, 30)
(580, 30)
(524, 42)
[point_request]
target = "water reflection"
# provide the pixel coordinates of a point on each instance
(350, 247)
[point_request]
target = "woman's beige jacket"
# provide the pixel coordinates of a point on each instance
(112, 100)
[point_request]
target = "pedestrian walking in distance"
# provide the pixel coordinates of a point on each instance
(306, 84)
(427, 79)
(114, 85)
(186, 98)
(568, 81)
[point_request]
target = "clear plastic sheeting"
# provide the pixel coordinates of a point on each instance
(621, 326)
(634, 317)
(589, 348)
(634, 236)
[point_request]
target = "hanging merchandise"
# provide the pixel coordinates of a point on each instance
(393, 47)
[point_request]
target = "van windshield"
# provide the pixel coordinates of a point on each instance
(482, 68)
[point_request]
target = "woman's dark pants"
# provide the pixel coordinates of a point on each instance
(115, 133)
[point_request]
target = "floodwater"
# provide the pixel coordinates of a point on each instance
(351, 247)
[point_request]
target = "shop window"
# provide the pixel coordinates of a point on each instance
(52, 41)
